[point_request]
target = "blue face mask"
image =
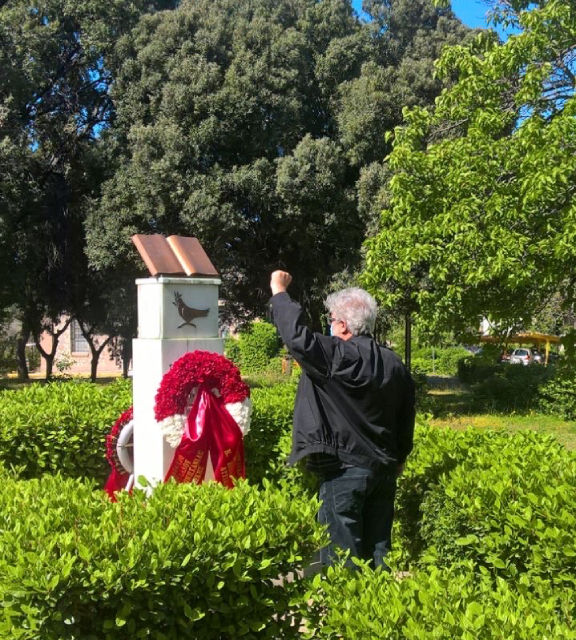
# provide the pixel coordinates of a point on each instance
(331, 330)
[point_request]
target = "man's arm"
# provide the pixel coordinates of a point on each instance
(304, 345)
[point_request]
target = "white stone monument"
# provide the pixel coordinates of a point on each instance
(176, 314)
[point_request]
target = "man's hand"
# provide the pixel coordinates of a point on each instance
(279, 281)
(400, 469)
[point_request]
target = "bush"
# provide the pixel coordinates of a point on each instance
(61, 426)
(8, 361)
(273, 409)
(503, 501)
(232, 350)
(441, 361)
(558, 395)
(473, 369)
(456, 602)
(511, 388)
(258, 344)
(189, 562)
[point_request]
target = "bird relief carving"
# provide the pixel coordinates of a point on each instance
(188, 314)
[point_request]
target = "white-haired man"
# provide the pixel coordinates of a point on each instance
(353, 418)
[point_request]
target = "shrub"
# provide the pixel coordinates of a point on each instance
(441, 361)
(232, 350)
(189, 562)
(511, 388)
(474, 369)
(8, 361)
(508, 506)
(258, 344)
(437, 451)
(558, 395)
(273, 409)
(456, 602)
(60, 426)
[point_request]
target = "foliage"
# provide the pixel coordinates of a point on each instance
(62, 426)
(455, 602)
(558, 395)
(441, 361)
(481, 213)
(188, 562)
(507, 507)
(257, 344)
(57, 59)
(246, 125)
(475, 369)
(232, 350)
(511, 387)
(273, 409)
(8, 361)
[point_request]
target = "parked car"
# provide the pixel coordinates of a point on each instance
(505, 356)
(521, 356)
(537, 357)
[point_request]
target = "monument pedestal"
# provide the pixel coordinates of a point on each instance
(175, 316)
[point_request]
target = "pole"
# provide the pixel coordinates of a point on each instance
(408, 342)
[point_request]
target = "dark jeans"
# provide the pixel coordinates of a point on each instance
(358, 507)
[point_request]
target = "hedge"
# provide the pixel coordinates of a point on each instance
(61, 426)
(442, 361)
(188, 562)
(504, 501)
(254, 348)
(455, 602)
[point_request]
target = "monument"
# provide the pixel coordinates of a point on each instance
(177, 313)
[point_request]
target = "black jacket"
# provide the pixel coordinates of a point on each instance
(355, 398)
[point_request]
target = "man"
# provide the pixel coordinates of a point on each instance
(353, 418)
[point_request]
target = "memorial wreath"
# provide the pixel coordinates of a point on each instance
(203, 408)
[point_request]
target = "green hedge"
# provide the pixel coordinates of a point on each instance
(254, 348)
(188, 562)
(456, 602)
(558, 395)
(445, 360)
(61, 426)
(504, 501)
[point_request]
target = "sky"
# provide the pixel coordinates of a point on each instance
(471, 12)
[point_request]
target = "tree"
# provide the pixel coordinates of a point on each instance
(57, 62)
(481, 220)
(236, 123)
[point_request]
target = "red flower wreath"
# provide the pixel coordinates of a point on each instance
(211, 430)
(112, 440)
(119, 476)
(192, 370)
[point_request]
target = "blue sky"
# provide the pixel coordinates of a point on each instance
(471, 12)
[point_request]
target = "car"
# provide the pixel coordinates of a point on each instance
(521, 356)
(505, 356)
(537, 357)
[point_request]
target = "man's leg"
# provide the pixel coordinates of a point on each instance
(343, 496)
(378, 515)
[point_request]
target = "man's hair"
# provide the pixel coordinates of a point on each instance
(356, 306)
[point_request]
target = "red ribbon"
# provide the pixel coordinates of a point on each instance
(210, 431)
(116, 482)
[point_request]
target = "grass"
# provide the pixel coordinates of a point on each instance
(452, 405)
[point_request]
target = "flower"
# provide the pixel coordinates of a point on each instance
(180, 384)
(112, 439)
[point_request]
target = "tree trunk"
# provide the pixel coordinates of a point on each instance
(21, 353)
(50, 356)
(126, 356)
(96, 353)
